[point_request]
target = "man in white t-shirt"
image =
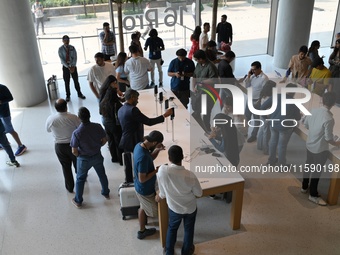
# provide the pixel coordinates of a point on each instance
(137, 68)
(62, 124)
(99, 72)
(204, 39)
(180, 187)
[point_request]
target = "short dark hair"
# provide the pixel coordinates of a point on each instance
(206, 24)
(133, 49)
(303, 49)
(175, 153)
(84, 114)
(65, 37)
(99, 55)
(105, 24)
(329, 99)
(318, 62)
(60, 105)
(230, 54)
(134, 36)
(224, 16)
(154, 136)
(257, 64)
(153, 33)
(130, 93)
(211, 43)
(181, 52)
(200, 54)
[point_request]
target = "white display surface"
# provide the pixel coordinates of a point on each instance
(190, 136)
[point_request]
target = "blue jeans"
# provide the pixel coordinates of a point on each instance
(279, 140)
(248, 114)
(175, 220)
(84, 163)
(263, 137)
(7, 147)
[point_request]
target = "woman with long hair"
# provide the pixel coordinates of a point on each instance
(108, 108)
(194, 38)
(122, 77)
(313, 52)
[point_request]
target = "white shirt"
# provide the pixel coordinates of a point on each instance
(257, 83)
(203, 40)
(320, 129)
(180, 187)
(98, 74)
(62, 125)
(137, 69)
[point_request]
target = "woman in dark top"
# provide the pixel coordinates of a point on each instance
(108, 107)
(313, 52)
(122, 79)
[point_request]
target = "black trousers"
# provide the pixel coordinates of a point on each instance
(114, 134)
(313, 159)
(67, 76)
(183, 96)
(66, 159)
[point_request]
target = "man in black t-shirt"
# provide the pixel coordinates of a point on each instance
(225, 32)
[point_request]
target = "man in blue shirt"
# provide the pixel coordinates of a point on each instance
(145, 179)
(68, 58)
(86, 143)
(180, 70)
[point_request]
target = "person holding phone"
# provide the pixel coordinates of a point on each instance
(255, 79)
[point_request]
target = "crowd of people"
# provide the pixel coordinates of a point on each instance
(78, 141)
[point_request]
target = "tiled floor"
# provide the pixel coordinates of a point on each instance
(37, 217)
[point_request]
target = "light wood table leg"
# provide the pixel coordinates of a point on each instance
(236, 206)
(333, 191)
(163, 220)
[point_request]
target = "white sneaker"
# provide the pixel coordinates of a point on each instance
(304, 191)
(317, 200)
